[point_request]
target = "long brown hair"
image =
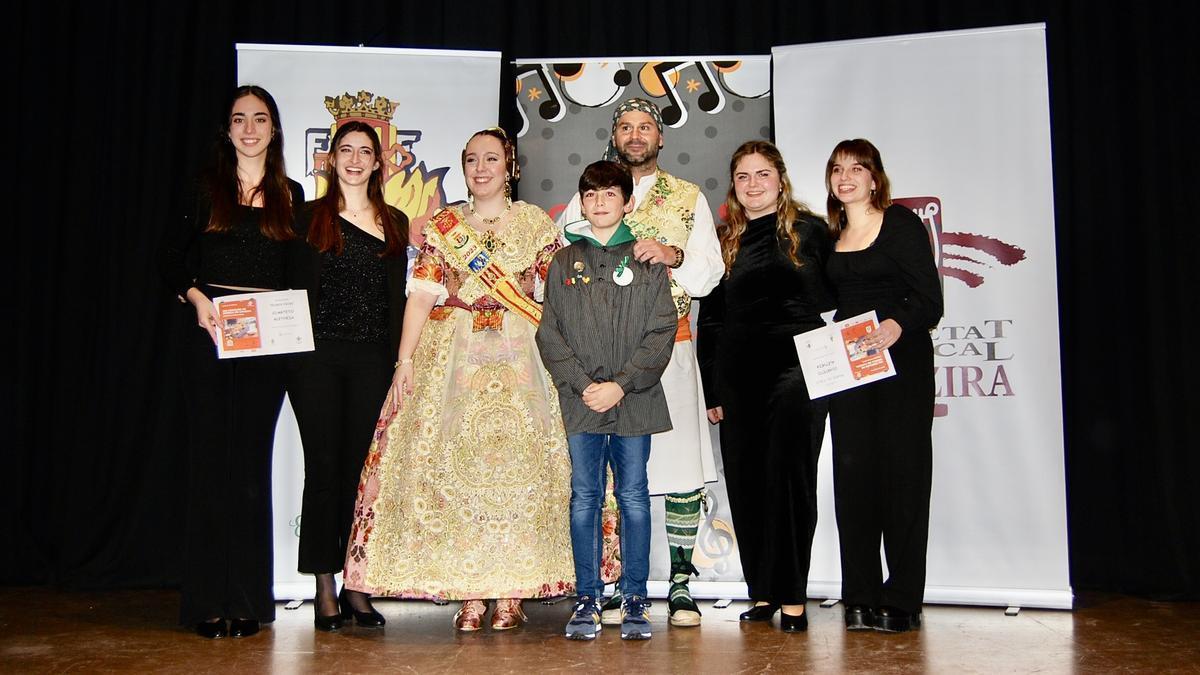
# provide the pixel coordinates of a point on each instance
(864, 152)
(787, 209)
(224, 187)
(324, 233)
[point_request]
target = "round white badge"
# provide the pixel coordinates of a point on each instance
(623, 276)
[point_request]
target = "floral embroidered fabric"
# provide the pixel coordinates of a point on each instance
(465, 492)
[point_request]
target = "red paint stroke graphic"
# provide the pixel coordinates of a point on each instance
(1003, 252)
(1006, 253)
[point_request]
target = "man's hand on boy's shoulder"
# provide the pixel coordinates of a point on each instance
(601, 396)
(651, 251)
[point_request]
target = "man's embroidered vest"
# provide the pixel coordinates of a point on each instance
(667, 215)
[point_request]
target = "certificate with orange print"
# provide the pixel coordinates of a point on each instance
(257, 324)
(835, 357)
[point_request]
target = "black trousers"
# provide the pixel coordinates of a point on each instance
(336, 393)
(770, 441)
(882, 476)
(233, 407)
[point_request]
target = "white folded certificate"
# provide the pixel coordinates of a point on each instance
(256, 324)
(834, 359)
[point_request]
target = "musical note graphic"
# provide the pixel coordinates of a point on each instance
(551, 109)
(658, 79)
(712, 101)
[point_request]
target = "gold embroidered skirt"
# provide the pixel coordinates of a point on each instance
(465, 493)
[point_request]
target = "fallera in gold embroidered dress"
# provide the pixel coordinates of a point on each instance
(465, 492)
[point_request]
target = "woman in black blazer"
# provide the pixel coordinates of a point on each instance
(352, 260)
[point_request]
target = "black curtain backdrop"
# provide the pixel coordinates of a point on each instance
(115, 104)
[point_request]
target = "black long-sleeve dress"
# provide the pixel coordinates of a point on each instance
(882, 449)
(771, 434)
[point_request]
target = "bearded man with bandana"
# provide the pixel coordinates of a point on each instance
(674, 227)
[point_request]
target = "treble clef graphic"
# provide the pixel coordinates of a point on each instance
(715, 541)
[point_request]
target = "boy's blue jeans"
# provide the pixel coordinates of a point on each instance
(590, 453)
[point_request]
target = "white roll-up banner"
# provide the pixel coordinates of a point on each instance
(424, 105)
(961, 120)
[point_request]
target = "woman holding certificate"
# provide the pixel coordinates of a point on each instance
(882, 450)
(466, 487)
(774, 287)
(232, 241)
(352, 261)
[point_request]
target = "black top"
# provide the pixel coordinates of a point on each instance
(595, 330)
(353, 299)
(355, 296)
(765, 293)
(896, 275)
(239, 256)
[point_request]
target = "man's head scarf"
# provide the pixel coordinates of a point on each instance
(640, 105)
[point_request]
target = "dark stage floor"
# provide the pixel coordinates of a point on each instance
(134, 631)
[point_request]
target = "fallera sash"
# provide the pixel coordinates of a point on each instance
(465, 248)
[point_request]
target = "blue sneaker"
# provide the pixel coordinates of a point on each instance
(635, 618)
(585, 623)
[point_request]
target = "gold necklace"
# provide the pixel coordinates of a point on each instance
(494, 219)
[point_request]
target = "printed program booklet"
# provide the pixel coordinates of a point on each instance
(256, 324)
(834, 358)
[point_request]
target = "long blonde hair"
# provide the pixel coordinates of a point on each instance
(787, 209)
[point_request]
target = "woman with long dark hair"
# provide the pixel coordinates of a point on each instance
(774, 288)
(882, 448)
(232, 241)
(352, 261)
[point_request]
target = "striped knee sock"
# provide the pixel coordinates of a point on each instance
(683, 520)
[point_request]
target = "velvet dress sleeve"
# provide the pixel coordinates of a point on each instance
(708, 336)
(815, 247)
(910, 249)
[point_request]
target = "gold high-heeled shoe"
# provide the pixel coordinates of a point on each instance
(508, 614)
(470, 616)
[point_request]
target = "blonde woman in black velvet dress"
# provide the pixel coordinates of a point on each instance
(775, 251)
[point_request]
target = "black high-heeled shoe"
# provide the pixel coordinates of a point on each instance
(212, 629)
(793, 624)
(369, 619)
(243, 627)
(759, 613)
(326, 623)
